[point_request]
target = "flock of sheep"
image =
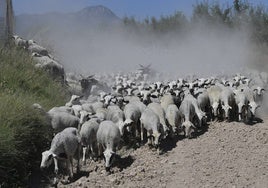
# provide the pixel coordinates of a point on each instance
(112, 109)
(41, 56)
(148, 112)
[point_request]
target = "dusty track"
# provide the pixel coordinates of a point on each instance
(226, 155)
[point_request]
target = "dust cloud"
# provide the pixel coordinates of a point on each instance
(203, 50)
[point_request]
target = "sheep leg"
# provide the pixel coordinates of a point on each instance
(56, 165)
(84, 155)
(92, 150)
(70, 166)
(78, 159)
(150, 138)
(142, 132)
(136, 130)
(99, 149)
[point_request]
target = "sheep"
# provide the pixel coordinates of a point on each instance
(250, 98)
(62, 109)
(201, 82)
(214, 98)
(88, 134)
(173, 117)
(204, 103)
(77, 108)
(146, 96)
(92, 107)
(151, 123)
(258, 93)
(86, 85)
(61, 120)
(53, 67)
(20, 42)
(35, 48)
(63, 146)
(188, 112)
(198, 112)
(108, 100)
(166, 100)
(75, 99)
(108, 138)
(116, 115)
(132, 115)
(227, 100)
(157, 109)
(101, 114)
(242, 104)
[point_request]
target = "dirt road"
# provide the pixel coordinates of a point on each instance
(226, 155)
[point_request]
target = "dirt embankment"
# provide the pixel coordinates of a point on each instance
(226, 155)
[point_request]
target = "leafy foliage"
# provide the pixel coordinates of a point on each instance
(240, 15)
(24, 131)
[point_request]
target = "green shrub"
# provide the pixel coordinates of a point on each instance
(24, 131)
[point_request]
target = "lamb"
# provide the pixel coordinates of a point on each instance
(63, 146)
(108, 138)
(88, 134)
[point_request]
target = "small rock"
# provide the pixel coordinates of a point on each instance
(164, 161)
(95, 168)
(114, 180)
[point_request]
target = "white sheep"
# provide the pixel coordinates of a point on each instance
(88, 134)
(116, 115)
(157, 109)
(61, 120)
(151, 122)
(173, 117)
(132, 115)
(63, 146)
(108, 138)
(166, 100)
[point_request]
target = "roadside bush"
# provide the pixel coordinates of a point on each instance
(24, 131)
